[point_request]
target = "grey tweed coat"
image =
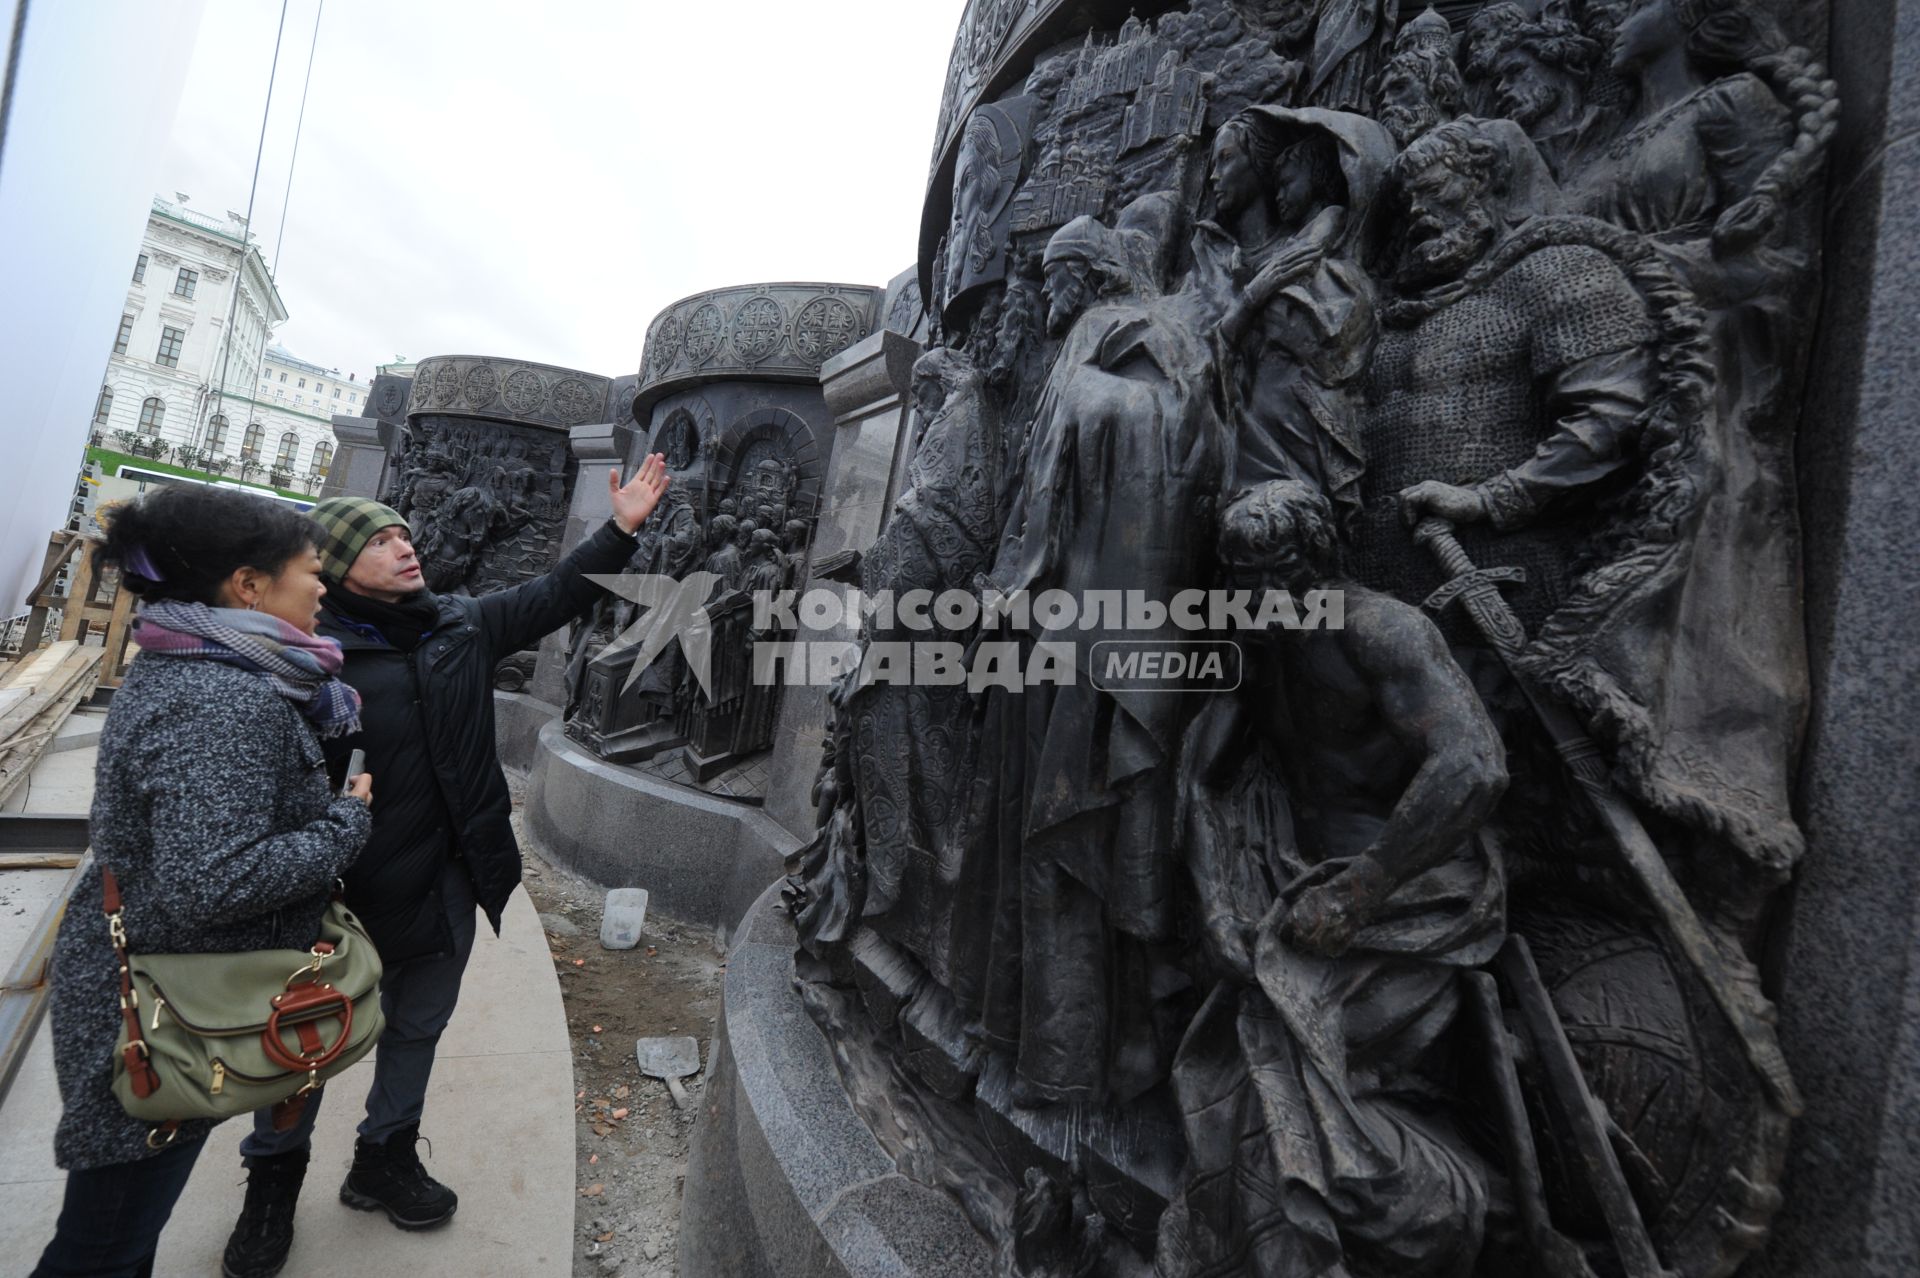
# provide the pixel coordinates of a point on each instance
(212, 806)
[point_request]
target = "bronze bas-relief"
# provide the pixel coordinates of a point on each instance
(1432, 947)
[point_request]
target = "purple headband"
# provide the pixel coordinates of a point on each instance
(138, 560)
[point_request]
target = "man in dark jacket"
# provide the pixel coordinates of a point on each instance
(441, 842)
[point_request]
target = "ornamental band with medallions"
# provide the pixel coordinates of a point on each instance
(774, 331)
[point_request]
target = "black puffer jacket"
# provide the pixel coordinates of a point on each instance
(427, 728)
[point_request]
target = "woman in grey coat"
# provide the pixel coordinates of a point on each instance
(212, 807)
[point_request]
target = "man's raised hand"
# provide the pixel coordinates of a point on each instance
(633, 503)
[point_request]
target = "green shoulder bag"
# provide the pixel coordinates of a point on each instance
(219, 1035)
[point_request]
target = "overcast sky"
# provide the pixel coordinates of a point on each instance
(539, 180)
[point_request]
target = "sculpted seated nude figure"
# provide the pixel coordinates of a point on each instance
(1330, 812)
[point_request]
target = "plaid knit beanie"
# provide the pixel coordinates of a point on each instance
(347, 524)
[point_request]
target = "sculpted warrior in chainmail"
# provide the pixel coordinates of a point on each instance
(1509, 377)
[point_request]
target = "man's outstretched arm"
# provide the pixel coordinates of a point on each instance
(518, 618)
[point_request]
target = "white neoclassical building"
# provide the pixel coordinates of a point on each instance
(292, 408)
(193, 365)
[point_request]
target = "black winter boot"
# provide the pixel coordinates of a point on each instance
(387, 1176)
(264, 1234)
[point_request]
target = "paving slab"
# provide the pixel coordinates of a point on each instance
(499, 1114)
(61, 782)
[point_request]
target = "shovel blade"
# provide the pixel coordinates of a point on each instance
(667, 1057)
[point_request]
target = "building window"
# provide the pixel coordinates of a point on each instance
(336, 392)
(279, 394)
(303, 382)
(289, 443)
(152, 413)
(103, 409)
(185, 282)
(283, 379)
(170, 342)
(250, 443)
(322, 458)
(125, 335)
(140, 269)
(217, 433)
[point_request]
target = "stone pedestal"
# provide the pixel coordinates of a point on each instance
(517, 720)
(704, 858)
(784, 1179)
(1849, 975)
(866, 389)
(360, 463)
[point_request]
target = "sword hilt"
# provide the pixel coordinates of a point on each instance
(1477, 589)
(1437, 535)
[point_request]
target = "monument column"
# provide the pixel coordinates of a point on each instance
(361, 464)
(866, 389)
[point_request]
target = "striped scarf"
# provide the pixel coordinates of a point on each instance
(301, 667)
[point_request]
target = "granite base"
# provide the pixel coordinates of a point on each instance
(703, 858)
(517, 720)
(784, 1180)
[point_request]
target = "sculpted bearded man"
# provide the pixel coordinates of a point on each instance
(1509, 380)
(1128, 450)
(1541, 382)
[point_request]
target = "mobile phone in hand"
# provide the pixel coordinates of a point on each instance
(356, 764)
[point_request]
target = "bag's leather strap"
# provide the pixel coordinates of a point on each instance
(286, 1113)
(140, 1071)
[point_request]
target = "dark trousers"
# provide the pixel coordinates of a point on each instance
(111, 1219)
(417, 997)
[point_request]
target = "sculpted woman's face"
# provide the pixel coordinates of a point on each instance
(1235, 182)
(1293, 186)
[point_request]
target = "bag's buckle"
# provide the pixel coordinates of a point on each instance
(117, 930)
(320, 953)
(309, 1003)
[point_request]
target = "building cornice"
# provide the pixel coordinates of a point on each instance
(253, 263)
(275, 406)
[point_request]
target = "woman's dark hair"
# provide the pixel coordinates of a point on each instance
(181, 541)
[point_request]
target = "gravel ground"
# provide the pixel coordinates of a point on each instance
(630, 1142)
